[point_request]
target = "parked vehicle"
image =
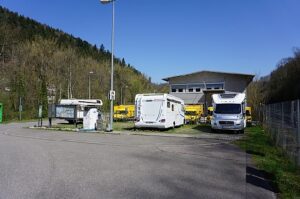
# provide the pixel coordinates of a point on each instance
(229, 112)
(82, 105)
(158, 111)
(248, 115)
(193, 113)
(210, 110)
(124, 112)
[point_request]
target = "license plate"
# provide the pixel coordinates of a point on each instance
(227, 127)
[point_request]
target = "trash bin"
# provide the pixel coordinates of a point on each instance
(1, 112)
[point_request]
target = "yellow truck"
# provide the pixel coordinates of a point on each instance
(248, 115)
(123, 112)
(193, 113)
(210, 110)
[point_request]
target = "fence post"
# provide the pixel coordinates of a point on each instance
(298, 131)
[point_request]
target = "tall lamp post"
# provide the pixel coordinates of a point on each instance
(111, 93)
(90, 73)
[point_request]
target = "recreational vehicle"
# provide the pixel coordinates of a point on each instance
(193, 113)
(210, 110)
(123, 112)
(158, 111)
(229, 112)
(249, 115)
(81, 106)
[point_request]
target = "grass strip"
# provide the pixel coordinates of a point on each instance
(267, 157)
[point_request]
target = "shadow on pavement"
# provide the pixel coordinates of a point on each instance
(207, 129)
(261, 178)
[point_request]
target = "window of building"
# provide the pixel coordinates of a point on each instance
(178, 88)
(192, 88)
(215, 86)
(172, 107)
(168, 104)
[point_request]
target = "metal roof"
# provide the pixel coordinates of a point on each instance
(207, 71)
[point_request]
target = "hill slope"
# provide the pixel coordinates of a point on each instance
(37, 61)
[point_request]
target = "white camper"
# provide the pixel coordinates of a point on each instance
(229, 112)
(82, 106)
(158, 111)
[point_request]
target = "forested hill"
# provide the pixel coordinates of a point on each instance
(37, 61)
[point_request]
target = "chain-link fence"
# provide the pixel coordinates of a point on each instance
(282, 121)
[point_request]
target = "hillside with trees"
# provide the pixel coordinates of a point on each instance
(283, 84)
(38, 62)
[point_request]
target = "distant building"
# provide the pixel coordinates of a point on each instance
(197, 88)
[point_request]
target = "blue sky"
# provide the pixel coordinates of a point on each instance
(163, 38)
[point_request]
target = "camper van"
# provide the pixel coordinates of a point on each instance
(210, 110)
(249, 115)
(123, 112)
(193, 113)
(158, 111)
(229, 112)
(81, 106)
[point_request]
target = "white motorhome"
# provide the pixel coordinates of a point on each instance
(82, 106)
(158, 111)
(229, 112)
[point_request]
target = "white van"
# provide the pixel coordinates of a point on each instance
(229, 112)
(158, 111)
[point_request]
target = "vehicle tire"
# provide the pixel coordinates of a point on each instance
(242, 131)
(212, 130)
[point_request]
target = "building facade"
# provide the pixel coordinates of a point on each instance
(197, 88)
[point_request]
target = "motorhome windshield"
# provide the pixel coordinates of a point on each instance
(191, 113)
(228, 108)
(121, 112)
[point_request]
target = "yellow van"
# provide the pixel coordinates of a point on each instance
(210, 110)
(123, 112)
(193, 113)
(248, 115)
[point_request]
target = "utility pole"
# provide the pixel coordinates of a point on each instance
(112, 92)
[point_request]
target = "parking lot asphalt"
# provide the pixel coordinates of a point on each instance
(49, 164)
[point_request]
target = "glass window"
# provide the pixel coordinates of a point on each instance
(178, 88)
(198, 90)
(172, 107)
(191, 90)
(228, 108)
(216, 86)
(168, 104)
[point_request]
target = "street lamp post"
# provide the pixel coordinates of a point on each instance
(111, 95)
(123, 99)
(90, 73)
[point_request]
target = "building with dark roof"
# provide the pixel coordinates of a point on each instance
(197, 87)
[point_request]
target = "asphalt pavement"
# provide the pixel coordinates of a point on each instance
(38, 163)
